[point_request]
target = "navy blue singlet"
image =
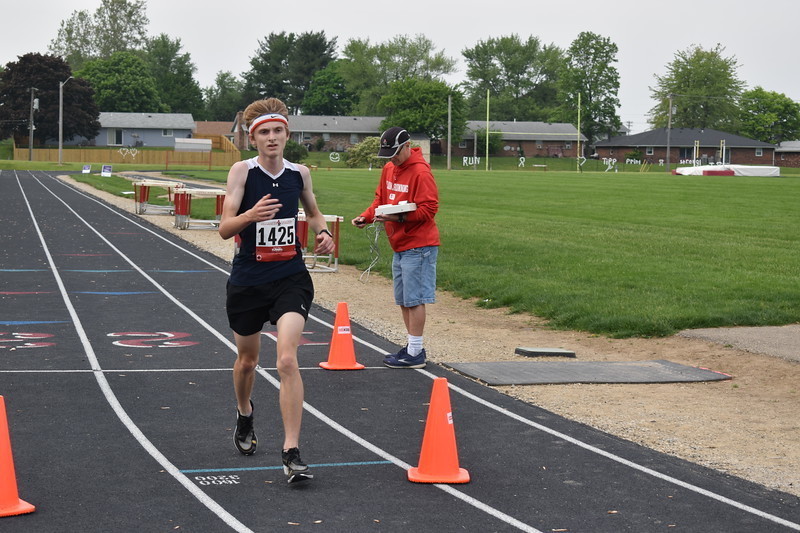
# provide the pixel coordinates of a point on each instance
(287, 187)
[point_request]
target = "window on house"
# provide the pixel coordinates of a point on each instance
(306, 136)
(354, 138)
(462, 144)
(567, 145)
(649, 150)
(114, 137)
(759, 152)
(326, 137)
(166, 133)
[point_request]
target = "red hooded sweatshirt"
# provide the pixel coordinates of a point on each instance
(411, 182)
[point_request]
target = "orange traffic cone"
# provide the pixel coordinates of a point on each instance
(10, 504)
(438, 460)
(342, 355)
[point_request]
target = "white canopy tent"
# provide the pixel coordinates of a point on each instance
(738, 170)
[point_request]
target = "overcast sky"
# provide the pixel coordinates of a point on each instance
(223, 36)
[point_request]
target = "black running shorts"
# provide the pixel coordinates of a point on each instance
(250, 307)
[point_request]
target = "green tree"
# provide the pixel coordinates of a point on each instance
(368, 69)
(173, 73)
(403, 57)
(224, 98)
(327, 93)
(420, 106)
(705, 90)
(45, 73)
(769, 116)
(495, 141)
(75, 39)
(519, 76)
(312, 52)
(589, 72)
(123, 83)
(284, 65)
(117, 25)
(120, 25)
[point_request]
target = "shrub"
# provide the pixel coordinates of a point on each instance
(364, 153)
(294, 152)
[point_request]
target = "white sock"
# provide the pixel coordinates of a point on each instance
(414, 345)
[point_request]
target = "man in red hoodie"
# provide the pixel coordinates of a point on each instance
(413, 235)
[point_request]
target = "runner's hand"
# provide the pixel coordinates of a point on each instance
(265, 209)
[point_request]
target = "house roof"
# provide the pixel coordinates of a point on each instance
(526, 131)
(683, 137)
(213, 127)
(335, 124)
(160, 121)
(788, 146)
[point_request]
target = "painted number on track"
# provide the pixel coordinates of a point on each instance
(14, 340)
(156, 339)
(217, 480)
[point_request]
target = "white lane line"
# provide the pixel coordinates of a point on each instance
(155, 370)
(519, 418)
(619, 459)
(111, 398)
(114, 371)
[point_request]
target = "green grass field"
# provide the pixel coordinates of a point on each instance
(621, 254)
(618, 254)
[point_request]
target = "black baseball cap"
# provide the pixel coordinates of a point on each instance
(391, 141)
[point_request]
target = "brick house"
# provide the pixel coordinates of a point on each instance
(685, 144)
(325, 133)
(529, 139)
(214, 127)
(787, 154)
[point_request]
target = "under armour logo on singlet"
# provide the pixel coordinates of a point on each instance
(274, 184)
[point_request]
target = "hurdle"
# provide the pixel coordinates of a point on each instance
(141, 197)
(183, 207)
(319, 263)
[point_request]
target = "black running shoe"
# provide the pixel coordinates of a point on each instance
(294, 467)
(245, 438)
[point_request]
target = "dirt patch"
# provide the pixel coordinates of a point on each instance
(748, 426)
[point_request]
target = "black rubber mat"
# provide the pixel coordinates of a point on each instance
(545, 372)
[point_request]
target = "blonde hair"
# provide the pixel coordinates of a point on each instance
(264, 107)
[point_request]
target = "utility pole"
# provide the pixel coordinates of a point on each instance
(578, 144)
(449, 128)
(34, 104)
(669, 128)
(61, 119)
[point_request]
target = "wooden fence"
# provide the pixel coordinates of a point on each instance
(140, 156)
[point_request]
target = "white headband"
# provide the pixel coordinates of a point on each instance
(267, 118)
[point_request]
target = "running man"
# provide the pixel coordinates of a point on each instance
(269, 281)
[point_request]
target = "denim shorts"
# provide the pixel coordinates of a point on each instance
(414, 274)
